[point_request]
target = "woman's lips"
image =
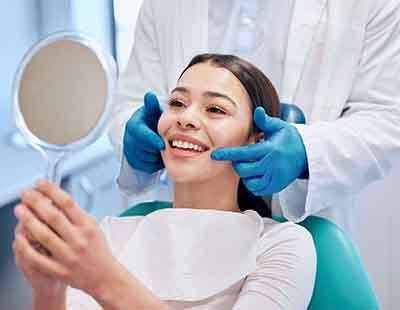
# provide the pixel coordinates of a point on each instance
(182, 146)
(182, 153)
(188, 139)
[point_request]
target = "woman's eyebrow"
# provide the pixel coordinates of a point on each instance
(181, 90)
(213, 94)
(210, 94)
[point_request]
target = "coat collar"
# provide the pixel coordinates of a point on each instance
(306, 17)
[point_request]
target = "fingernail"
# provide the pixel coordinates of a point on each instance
(41, 182)
(26, 193)
(18, 211)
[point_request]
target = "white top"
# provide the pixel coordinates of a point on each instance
(208, 259)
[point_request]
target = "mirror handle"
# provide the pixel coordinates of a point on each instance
(53, 170)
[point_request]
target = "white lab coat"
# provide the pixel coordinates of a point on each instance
(343, 56)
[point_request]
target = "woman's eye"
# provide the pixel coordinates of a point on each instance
(215, 109)
(176, 104)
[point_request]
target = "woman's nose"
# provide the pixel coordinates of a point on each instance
(188, 119)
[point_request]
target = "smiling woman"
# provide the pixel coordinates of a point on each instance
(208, 250)
(217, 112)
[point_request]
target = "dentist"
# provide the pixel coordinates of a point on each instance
(339, 61)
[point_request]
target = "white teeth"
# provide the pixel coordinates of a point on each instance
(186, 145)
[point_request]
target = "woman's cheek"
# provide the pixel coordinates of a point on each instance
(163, 124)
(228, 133)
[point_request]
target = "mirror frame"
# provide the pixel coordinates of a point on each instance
(108, 64)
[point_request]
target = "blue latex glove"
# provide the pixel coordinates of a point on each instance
(269, 166)
(142, 144)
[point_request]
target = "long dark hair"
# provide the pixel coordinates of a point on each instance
(261, 93)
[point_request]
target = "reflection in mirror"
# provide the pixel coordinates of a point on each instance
(62, 96)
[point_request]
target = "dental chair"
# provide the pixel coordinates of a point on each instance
(341, 281)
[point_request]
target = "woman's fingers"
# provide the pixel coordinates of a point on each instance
(50, 214)
(41, 233)
(63, 201)
(27, 258)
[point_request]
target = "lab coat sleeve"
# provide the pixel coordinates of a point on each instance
(143, 73)
(346, 155)
(285, 274)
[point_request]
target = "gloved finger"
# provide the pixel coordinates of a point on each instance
(250, 152)
(150, 167)
(144, 156)
(267, 123)
(264, 192)
(147, 164)
(253, 169)
(145, 137)
(258, 184)
(152, 110)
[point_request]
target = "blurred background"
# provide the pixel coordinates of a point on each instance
(90, 175)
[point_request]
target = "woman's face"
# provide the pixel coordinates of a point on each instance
(208, 109)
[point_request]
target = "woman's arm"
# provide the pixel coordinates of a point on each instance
(40, 302)
(285, 273)
(76, 254)
(124, 291)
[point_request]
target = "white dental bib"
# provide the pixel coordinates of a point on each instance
(190, 254)
(207, 259)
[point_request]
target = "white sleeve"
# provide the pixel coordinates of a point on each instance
(346, 155)
(78, 300)
(285, 273)
(144, 72)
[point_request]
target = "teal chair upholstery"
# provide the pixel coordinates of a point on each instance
(341, 281)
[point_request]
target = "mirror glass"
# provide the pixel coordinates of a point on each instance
(62, 96)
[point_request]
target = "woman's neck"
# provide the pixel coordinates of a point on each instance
(217, 194)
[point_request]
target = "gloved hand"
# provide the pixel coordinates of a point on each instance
(142, 144)
(268, 166)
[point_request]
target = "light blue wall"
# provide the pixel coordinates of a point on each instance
(23, 23)
(18, 31)
(92, 17)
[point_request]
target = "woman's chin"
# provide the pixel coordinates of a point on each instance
(186, 173)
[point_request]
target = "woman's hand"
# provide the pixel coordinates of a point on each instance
(78, 254)
(43, 285)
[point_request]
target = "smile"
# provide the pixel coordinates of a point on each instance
(185, 146)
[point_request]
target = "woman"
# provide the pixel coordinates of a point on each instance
(210, 251)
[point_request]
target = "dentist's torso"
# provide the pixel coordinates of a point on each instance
(312, 50)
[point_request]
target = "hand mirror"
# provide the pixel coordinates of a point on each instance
(62, 96)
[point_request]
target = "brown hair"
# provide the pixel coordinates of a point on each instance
(261, 93)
